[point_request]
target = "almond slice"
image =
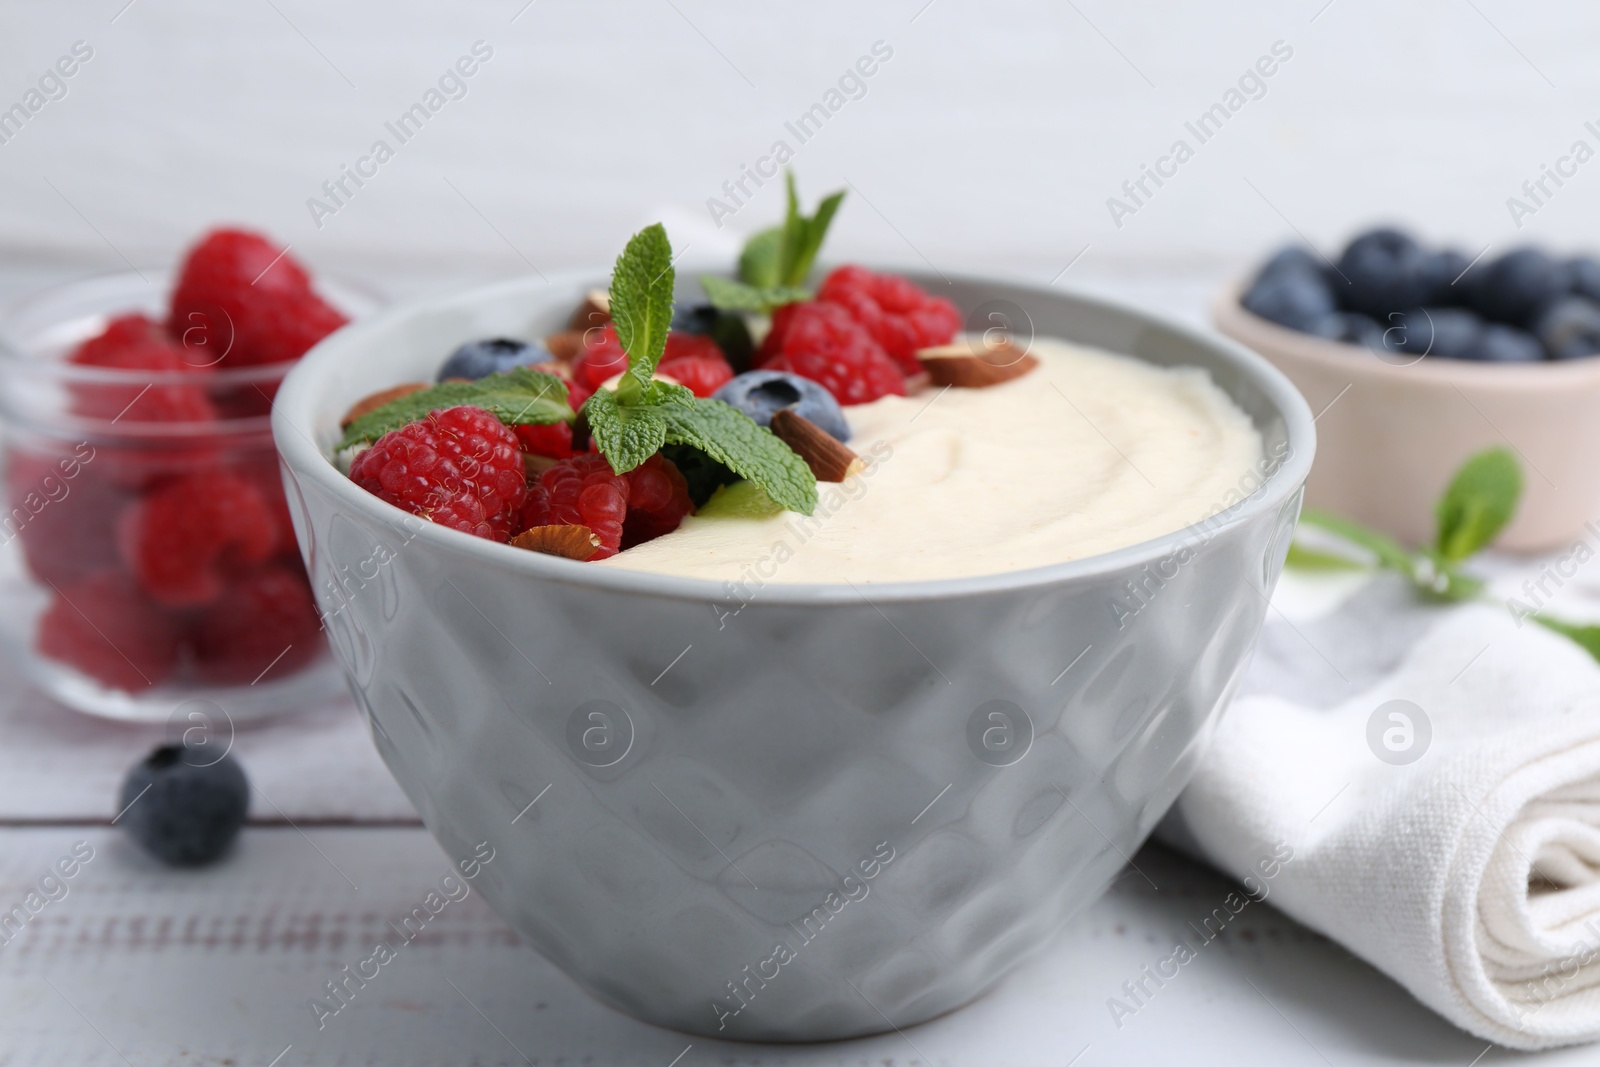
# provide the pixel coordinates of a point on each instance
(829, 460)
(958, 365)
(565, 345)
(594, 311)
(569, 542)
(368, 404)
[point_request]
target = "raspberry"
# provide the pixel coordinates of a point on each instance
(695, 362)
(553, 441)
(240, 302)
(135, 343)
(700, 375)
(658, 499)
(62, 512)
(899, 315)
(105, 627)
(460, 467)
(265, 626)
(623, 510)
(601, 359)
(691, 359)
(581, 491)
(822, 342)
(184, 540)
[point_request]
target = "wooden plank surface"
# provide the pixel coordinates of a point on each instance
(143, 966)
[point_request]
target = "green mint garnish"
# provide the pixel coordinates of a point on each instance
(1480, 500)
(730, 437)
(634, 422)
(641, 305)
(726, 294)
(781, 257)
(520, 395)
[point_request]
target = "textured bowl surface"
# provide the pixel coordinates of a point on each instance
(1394, 429)
(809, 812)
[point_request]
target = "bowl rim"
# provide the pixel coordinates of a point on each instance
(1232, 318)
(294, 427)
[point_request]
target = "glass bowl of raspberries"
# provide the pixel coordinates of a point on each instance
(147, 548)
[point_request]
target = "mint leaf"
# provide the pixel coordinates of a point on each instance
(816, 230)
(759, 263)
(1481, 499)
(1587, 636)
(628, 434)
(641, 305)
(1315, 559)
(782, 256)
(728, 436)
(1386, 551)
(728, 295)
(520, 395)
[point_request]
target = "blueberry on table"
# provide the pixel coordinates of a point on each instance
(761, 394)
(493, 355)
(1383, 271)
(1569, 328)
(1505, 344)
(183, 807)
(1296, 297)
(1436, 331)
(1517, 285)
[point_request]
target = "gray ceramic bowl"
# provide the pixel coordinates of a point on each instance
(827, 814)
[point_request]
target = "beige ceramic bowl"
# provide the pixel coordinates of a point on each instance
(1392, 429)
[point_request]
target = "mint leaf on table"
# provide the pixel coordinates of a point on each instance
(728, 436)
(1586, 635)
(782, 256)
(641, 304)
(1479, 502)
(728, 295)
(518, 396)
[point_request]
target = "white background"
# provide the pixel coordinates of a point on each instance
(990, 141)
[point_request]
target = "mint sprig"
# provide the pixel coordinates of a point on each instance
(776, 262)
(1480, 500)
(633, 422)
(521, 395)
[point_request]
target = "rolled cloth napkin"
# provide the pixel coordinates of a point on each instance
(1434, 773)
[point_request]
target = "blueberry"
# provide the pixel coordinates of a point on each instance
(1569, 328)
(493, 355)
(1584, 272)
(1296, 297)
(1517, 285)
(1436, 331)
(1291, 258)
(762, 393)
(1383, 271)
(184, 808)
(1504, 344)
(1440, 271)
(1351, 328)
(695, 318)
(724, 327)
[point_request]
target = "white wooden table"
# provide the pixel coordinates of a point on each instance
(140, 965)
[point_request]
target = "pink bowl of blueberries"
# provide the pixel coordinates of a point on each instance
(1416, 357)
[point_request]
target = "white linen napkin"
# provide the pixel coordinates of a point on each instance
(1456, 848)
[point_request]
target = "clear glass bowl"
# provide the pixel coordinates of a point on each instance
(146, 564)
